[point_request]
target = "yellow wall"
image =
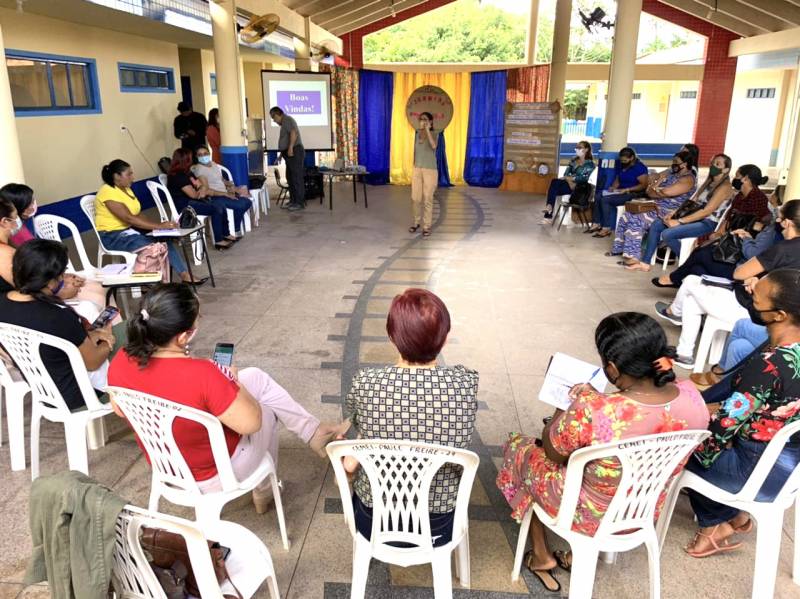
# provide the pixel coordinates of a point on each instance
(753, 121)
(207, 60)
(252, 89)
(62, 155)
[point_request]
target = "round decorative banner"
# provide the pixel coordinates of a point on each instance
(430, 98)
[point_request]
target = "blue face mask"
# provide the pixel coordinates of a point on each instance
(204, 159)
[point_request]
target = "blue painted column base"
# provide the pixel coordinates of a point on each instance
(235, 159)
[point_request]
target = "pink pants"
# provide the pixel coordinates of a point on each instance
(276, 406)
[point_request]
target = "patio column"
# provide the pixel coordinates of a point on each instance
(793, 180)
(620, 84)
(229, 85)
(302, 51)
(558, 63)
(11, 164)
(533, 24)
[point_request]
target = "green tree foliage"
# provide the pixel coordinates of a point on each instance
(459, 32)
(575, 103)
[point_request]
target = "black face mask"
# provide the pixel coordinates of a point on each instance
(755, 315)
(737, 184)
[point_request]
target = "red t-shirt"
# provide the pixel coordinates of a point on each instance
(196, 383)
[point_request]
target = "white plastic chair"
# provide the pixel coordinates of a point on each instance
(46, 227)
(152, 419)
(248, 564)
(768, 515)
(156, 189)
(23, 346)
(712, 341)
(13, 392)
(254, 200)
(88, 207)
(647, 464)
(400, 475)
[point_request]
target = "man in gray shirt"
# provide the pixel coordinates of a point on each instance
(290, 146)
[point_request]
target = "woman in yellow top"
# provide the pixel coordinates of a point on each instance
(118, 217)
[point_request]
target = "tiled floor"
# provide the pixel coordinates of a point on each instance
(305, 297)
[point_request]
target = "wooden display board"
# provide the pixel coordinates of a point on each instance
(532, 136)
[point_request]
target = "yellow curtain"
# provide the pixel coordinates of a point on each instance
(401, 157)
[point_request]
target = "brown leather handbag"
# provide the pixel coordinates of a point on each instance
(639, 206)
(166, 548)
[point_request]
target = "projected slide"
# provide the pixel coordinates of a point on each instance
(306, 97)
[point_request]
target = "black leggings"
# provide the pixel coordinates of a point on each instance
(701, 262)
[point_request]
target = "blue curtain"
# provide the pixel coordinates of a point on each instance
(375, 124)
(483, 166)
(441, 163)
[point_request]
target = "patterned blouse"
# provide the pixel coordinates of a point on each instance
(666, 204)
(581, 172)
(765, 398)
(432, 405)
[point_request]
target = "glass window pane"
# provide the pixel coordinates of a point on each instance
(79, 81)
(60, 83)
(163, 80)
(29, 86)
(152, 79)
(141, 78)
(127, 77)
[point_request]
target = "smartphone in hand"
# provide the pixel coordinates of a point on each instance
(106, 316)
(223, 354)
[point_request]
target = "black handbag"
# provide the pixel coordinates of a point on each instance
(687, 208)
(728, 249)
(188, 218)
(581, 196)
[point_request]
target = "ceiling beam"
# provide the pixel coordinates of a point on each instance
(702, 12)
(345, 9)
(769, 42)
(746, 14)
(345, 24)
(780, 9)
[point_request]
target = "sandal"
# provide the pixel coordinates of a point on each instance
(639, 266)
(602, 234)
(413, 228)
(704, 379)
(612, 254)
(561, 558)
(723, 547)
(540, 575)
(593, 229)
(223, 245)
(426, 232)
(655, 281)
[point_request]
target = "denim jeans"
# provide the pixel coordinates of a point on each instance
(214, 209)
(120, 240)
(441, 524)
(745, 337)
(671, 236)
(730, 472)
(239, 205)
(558, 187)
(605, 209)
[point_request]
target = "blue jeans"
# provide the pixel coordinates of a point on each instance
(214, 209)
(745, 337)
(558, 187)
(671, 236)
(730, 472)
(115, 240)
(441, 524)
(239, 205)
(605, 209)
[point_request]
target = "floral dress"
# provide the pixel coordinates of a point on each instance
(631, 228)
(528, 475)
(765, 398)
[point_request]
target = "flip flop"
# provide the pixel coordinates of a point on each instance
(639, 266)
(723, 548)
(706, 379)
(561, 558)
(413, 229)
(601, 235)
(592, 230)
(612, 254)
(744, 528)
(539, 575)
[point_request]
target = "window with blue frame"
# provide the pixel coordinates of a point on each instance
(214, 83)
(47, 84)
(144, 78)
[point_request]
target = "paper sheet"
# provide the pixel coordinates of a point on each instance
(165, 232)
(563, 373)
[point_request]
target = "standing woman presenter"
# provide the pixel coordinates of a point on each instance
(425, 176)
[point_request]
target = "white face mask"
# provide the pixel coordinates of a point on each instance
(580, 152)
(17, 224)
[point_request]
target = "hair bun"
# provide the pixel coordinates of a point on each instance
(764, 179)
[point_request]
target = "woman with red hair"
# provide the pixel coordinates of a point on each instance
(187, 190)
(415, 400)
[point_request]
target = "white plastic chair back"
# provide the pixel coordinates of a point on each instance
(226, 172)
(152, 419)
(23, 346)
(162, 178)
(88, 206)
(248, 564)
(46, 227)
(13, 393)
(647, 464)
(400, 475)
(154, 189)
